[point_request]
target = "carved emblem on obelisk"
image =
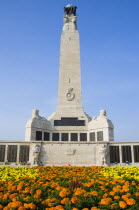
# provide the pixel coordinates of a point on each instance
(70, 95)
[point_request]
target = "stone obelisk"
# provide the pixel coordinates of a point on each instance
(69, 91)
(69, 122)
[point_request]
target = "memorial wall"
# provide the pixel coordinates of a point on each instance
(73, 153)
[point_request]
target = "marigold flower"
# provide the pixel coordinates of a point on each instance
(14, 199)
(86, 194)
(95, 193)
(85, 209)
(6, 208)
(19, 187)
(112, 193)
(1, 207)
(75, 200)
(59, 207)
(16, 204)
(78, 193)
(14, 188)
(58, 188)
(113, 205)
(125, 188)
(26, 191)
(105, 195)
(50, 204)
(65, 200)
(130, 201)
(122, 204)
(115, 189)
(21, 208)
(125, 197)
(32, 206)
(116, 197)
(5, 196)
(64, 192)
(38, 192)
(26, 205)
(12, 195)
(105, 201)
(36, 195)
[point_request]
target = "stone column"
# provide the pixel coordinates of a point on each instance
(132, 155)
(60, 137)
(6, 150)
(120, 153)
(78, 136)
(17, 158)
(50, 136)
(88, 136)
(95, 136)
(69, 136)
(42, 135)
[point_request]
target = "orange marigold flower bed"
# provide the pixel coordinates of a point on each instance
(69, 188)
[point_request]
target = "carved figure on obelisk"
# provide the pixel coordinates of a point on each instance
(36, 154)
(103, 154)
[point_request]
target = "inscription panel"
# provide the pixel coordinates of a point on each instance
(83, 136)
(92, 136)
(2, 152)
(12, 153)
(46, 136)
(55, 137)
(24, 153)
(100, 136)
(114, 154)
(68, 121)
(126, 154)
(74, 136)
(136, 153)
(64, 137)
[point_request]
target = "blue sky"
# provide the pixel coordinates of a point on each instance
(29, 61)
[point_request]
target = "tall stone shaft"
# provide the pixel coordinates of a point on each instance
(69, 123)
(69, 92)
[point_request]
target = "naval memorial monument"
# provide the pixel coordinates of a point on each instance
(69, 135)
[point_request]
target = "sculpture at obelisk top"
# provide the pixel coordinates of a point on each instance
(70, 9)
(70, 14)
